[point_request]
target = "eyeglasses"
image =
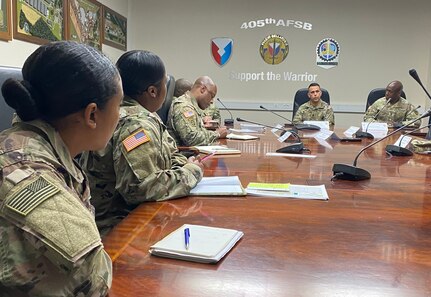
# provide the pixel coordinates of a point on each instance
(211, 93)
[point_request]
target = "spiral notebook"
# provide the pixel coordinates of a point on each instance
(206, 244)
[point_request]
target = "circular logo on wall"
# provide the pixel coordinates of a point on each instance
(327, 52)
(274, 49)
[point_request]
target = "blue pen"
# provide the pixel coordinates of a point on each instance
(187, 238)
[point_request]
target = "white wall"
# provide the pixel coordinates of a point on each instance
(380, 41)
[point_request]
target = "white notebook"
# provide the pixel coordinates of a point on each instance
(218, 149)
(206, 244)
(219, 186)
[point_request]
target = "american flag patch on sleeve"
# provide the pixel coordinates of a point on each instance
(188, 113)
(31, 196)
(135, 140)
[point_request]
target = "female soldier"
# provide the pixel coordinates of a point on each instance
(142, 162)
(67, 102)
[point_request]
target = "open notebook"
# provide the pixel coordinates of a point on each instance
(206, 244)
(218, 149)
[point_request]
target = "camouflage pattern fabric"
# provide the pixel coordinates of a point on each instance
(307, 112)
(49, 243)
(123, 176)
(185, 123)
(213, 111)
(401, 112)
(421, 146)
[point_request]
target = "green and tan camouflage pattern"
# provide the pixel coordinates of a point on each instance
(49, 242)
(321, 112)
(213, 111)
(188, 131)
(421, 146)
(401, 112)
(153, 171)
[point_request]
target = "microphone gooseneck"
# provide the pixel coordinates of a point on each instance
(296, 148)
(227, 121)
(415, 76)
(366, 134)
(279, 115)
(398, 150)
(347, 172)
(297, 126)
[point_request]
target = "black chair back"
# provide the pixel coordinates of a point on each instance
(6, 113)
(164, 110)
(376, 94)
(301, 97)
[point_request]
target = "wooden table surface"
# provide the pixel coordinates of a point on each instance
(372, 238)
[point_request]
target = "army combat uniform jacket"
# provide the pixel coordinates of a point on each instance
(213, 111)
(400, 112)
(185, 123)
(307, 112)
(49, 242)
(141, 163)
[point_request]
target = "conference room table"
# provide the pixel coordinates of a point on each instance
(371, 238)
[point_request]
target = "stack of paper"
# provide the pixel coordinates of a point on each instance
(241, 136)
(218, 149)
(205, 244)
(219, 186)
(287, 191)
(254, 127)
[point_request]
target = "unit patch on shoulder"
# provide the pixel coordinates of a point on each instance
(135, 140)
(188, 113)
(27, 199)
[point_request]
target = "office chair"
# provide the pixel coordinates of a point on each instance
(378, 93)
(164, 110)
(301, 97)
(6, 112)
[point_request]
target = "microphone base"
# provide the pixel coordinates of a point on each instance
(228, 122)
(360, 134)
(398, 150)
(296, 148)
(348, 172)
(307, 127)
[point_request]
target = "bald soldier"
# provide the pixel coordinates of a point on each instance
(315, 109)
(185, 119)
(398, 111)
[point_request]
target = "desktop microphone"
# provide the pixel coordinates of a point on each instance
(227, 122)
(398, 150)
(347, 172)
(397, 125)
(415, 75)
(296, 148)
(366, 134)
(298, 126)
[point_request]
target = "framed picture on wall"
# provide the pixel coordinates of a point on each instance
(5, 20)
(85, 22)
(39, 21)
(114, 29)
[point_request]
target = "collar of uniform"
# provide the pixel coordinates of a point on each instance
(194, 102)
(319, 105)
(60, 148)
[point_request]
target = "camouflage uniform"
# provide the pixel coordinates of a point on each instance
(185, 123)
(307, 112)
(213, 111)
(49, 243)
(421, 146)
(122, 176)
(400, 112)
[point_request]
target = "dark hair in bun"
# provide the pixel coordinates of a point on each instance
(61, 78)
